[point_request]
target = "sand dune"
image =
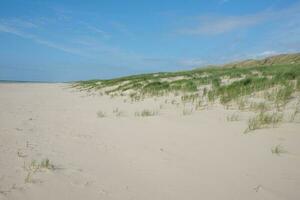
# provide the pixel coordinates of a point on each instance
(122, 156)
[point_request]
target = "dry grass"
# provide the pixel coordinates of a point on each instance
(259, 107)
(35, 166)
(233, 118)
(278, 150)
(187, 111)
(263, 120)
(118, 113)
(295, 112)
(101, 114)
(146, 113)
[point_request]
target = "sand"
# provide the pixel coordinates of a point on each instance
(167, 156)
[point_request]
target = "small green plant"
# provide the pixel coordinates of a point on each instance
(278, 83)
(101, 114)
(115, 110)
(261, 107)
(189, 98)
(298, 84)
(233, 117)
(35, 166)
(21, 154)
(199, 105)
(146, 113)
(295, 112)
(263, 120)
(241, 103)
(46, 164)
(283, 95)
(161, 106)
(278, 150)
(187, 111)
(118, 112)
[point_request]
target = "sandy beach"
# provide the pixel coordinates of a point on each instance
(116, 155)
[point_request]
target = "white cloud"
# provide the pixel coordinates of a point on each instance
(22, 23)
(220, 24)
(216, 24)
(103, 33)
(17, 32)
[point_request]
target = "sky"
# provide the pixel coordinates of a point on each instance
(66, 40)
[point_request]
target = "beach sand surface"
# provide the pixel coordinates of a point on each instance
(125, 157)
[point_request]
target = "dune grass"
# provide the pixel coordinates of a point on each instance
(278, 150)
(101, 114)
(233, 118)
(295, 112)
(263, 120)
(187, 111)
(35, 166)
(260, 89)
(286, 77)
(259, 107)
(146, 113)
(118, 113)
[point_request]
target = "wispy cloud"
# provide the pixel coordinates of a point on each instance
(22, 23)
(123, 29)
(208, 25)
(215, 24)
(6, 27)
(94, 29)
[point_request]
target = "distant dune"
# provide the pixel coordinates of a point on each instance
(272, 60)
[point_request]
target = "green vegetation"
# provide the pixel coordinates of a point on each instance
(284, 78)
(187, 111)
(233, 117)
(263, 120)
(261, 106)
(35, 166)
(146, 113)
(295, 112)
(118, 112)
(258, 86)
(283, 94)
(101, 114)
(278, 149)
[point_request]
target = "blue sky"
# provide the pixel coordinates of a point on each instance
(64, 40)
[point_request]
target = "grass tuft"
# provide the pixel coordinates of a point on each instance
(146, 113)
(278, 150)
(101, 114)
(186, 111)
(263, 120)
(233, 118)
(35, 166)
